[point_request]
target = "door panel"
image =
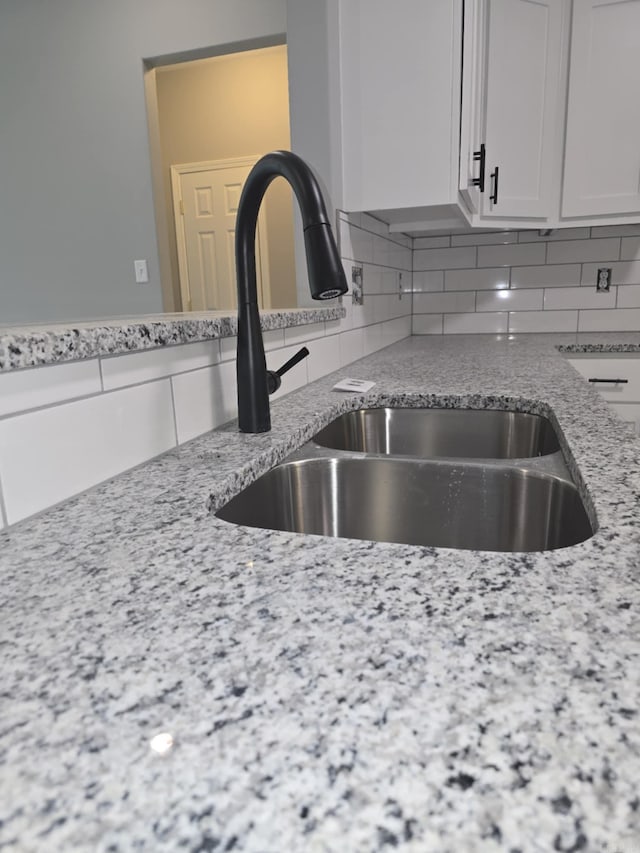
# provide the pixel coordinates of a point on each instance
(210, 198)
(523, 106)
(602, 160)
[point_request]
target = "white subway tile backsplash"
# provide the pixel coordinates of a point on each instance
(229, 346)
(131, 369)
(507, 256)
(427, 281)
(324, 357)
(370, 223)
(355, 243)
(629, 296)
(372, 338)
(494, 238)
(433, 242)
(43, 386)
(427, 324)
(509, 300)
(552, 275)
(444, 259)
(298, 335)
(485, 279)
(388, 306)
(625, 272)
(578, 297)
(273, 339)
(558, 234)
(391, 280)
(543, 321)
(581, 251)
(616, 231)
(475, 323)
(630, 249)
(392, 255)
(351, 346)
(372, 278)
(204, 399)
(396, 330)
(627, 320)
(440, 303)
(54, 453)
(363, 315)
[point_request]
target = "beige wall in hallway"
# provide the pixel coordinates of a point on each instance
(231, 106)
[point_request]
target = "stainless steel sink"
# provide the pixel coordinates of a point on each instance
(433, 433)
(484, 506)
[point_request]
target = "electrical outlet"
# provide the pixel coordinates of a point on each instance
(357, 283)
(603, 281)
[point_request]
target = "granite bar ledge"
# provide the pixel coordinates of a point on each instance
(33, 346)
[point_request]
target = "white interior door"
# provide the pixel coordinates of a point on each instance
(206, 198)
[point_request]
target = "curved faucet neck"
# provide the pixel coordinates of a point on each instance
(326, 276)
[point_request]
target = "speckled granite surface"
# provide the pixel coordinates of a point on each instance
(30, 346)
(604, 342)
(326, 695)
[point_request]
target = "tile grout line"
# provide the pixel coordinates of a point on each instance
(173, 411)
(97, 394)
(3, 508)
(101, 374)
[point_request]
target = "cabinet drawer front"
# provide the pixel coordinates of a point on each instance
(629, 413)
(612, 368)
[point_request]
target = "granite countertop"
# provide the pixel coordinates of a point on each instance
(327, 694)
(34, 346)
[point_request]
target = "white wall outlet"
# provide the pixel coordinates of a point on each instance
(142, 273)
(603, 281)
(357, 285)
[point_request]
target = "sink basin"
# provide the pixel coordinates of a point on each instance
(445, 504)
(433, 433)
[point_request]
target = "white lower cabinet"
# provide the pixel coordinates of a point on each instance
(617, 379)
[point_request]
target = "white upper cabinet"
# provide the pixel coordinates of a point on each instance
(394, 103)
(602, 164)
(513, 109)
(400, 92)
(523, 107)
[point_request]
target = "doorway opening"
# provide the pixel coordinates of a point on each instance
(210, 119)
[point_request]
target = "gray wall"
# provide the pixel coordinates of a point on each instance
(76, 204)
(314, 105)
(235, 105)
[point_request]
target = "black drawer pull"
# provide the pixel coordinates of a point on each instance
(611, 381)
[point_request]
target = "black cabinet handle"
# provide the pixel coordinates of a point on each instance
(611, 381)
(494, 195)
(480, 157)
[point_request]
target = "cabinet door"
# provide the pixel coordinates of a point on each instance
(524, 104)
(400, 102)
(473, 174)
(602, 159)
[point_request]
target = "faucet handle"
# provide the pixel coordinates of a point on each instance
(274, 377)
